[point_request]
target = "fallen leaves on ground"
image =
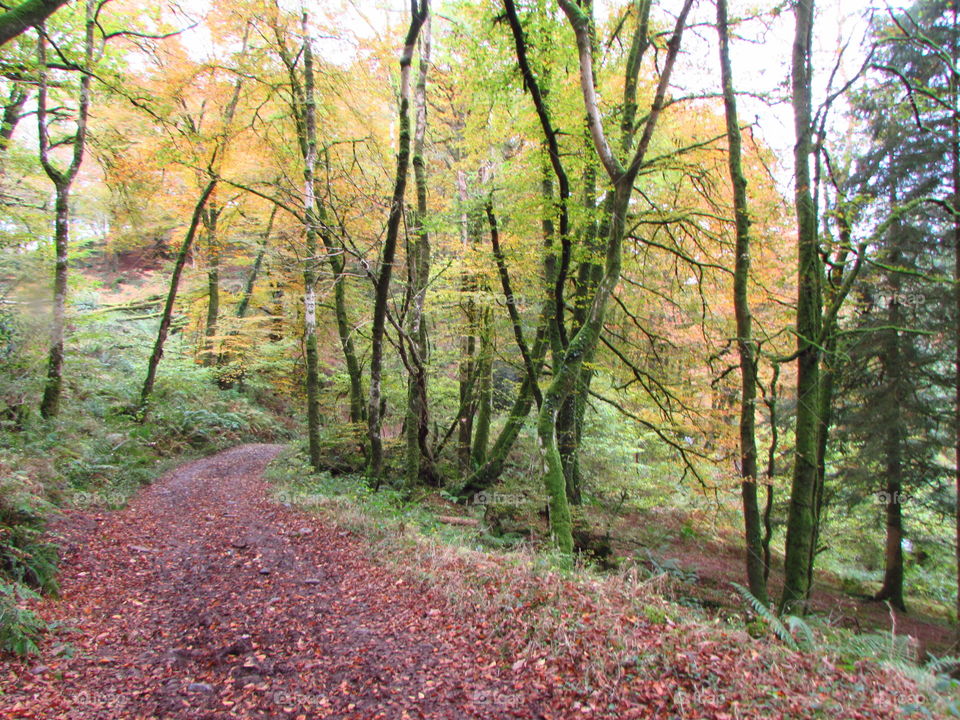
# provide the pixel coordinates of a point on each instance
(204, 599)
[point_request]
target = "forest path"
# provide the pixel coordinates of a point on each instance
(205, 599)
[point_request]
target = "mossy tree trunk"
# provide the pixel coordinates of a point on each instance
(756, 567)
(12, 114)
(311, 249)
(419, 457)
(62, 180)
(251, 282)
(584, 342)
(481, 430)
(167, 317)
(801, 518)
(26, 15)
(419, 10)
(210, 217)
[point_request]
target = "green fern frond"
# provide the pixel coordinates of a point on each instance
(768, 616)
(799, 626)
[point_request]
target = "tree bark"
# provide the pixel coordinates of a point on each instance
(26, 15)
(800, 519)
(466, 370)
(892, 589)
(210, 216)
(481, 431)
(312, 246)
(50, 404)
(419, 9)
(62, 181)
(582, 345)
(419, 461)
(244, 303)
(745, 343)
(955, 190)
(12, 114)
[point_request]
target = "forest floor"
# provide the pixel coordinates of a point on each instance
(712, 561)
(206, 599)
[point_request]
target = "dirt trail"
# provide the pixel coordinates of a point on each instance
(205, 599)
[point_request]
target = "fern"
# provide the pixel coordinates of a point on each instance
(768, 616)
(20, 628)
(945, 664)
(800, 626)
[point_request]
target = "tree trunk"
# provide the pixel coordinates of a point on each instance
(312, 246)
(12, 113)
(50, 405)
(584, 342)
(466, 370)
(771, 402)
(210, 217)
(800, 519)
(26, 15)
(419, 462)
(244, 303)
(62, 180)
(745, 344)
(481, 431)
(382, 285)
(892, 589)
(955, 190)
(167, 316)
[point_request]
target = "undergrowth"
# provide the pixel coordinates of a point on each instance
(624, 632)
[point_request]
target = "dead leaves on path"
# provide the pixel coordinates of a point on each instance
(205, 600)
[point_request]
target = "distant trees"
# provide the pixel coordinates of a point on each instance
(901, 372)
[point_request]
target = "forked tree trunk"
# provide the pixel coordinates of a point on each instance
(419, 9)
(62, 181)
(583, 344)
